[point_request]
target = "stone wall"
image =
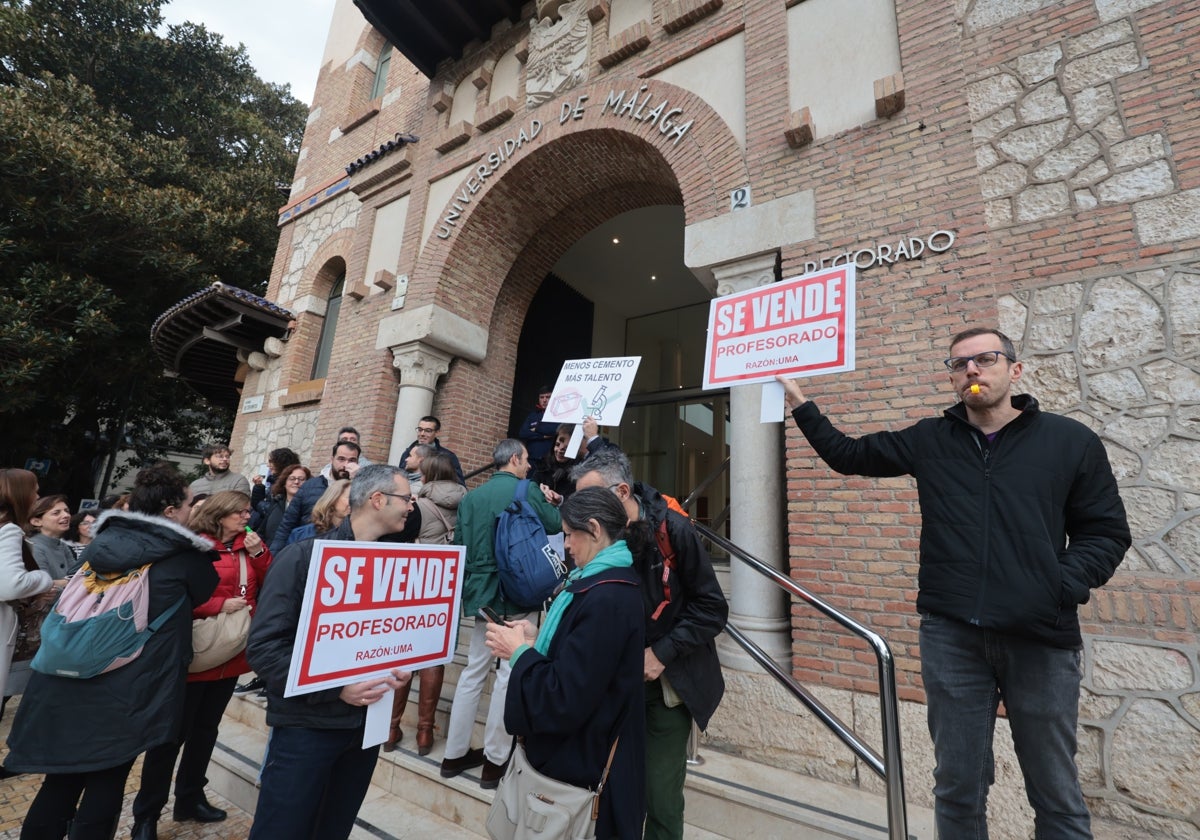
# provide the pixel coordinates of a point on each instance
(1120, 353)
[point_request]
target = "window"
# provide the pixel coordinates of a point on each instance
(328, 328)
(379, 86)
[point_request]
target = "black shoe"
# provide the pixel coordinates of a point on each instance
(144, 830)
(255, 684)
(491, 774)
(451, 767)
(200, 812)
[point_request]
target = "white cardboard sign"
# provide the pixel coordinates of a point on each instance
(596, 388)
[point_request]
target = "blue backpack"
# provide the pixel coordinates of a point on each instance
(529, 568)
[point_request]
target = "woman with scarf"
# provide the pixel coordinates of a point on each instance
(576, 684)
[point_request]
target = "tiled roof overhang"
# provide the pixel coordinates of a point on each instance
(199, 338)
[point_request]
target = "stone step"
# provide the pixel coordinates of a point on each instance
(233, 773)
(727, 796)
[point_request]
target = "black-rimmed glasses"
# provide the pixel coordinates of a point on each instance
(957, 364)
(407, 497)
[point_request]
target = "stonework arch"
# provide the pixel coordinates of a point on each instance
(578, 172)
(582, 148)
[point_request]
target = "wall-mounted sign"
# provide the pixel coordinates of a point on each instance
(252, 404)
(885, 253)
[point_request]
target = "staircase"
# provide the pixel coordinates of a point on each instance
(727, 796)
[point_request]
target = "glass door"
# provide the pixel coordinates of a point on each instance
(675, 443)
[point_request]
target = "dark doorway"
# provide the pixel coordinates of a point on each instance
(558, 326)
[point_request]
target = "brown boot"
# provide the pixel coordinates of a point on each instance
(431, 691)
(399, 701)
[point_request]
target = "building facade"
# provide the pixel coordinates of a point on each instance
(1028, 163)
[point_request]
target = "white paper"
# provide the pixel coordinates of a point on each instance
(379, 720)
(575, 442)
(773, 409)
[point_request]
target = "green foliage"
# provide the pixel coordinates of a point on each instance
(135, 168)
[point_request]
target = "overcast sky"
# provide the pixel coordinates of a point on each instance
(285, 38)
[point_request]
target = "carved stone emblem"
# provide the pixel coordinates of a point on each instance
(558, 54)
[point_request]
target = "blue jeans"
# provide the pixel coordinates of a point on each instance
(313, 783)
(967, 672)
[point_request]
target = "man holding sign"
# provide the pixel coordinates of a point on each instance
(317, 772)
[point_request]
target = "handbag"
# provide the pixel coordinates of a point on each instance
(531, 806)
(220, 637)
(31, 613)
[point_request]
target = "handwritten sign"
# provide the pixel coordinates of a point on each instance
(596, 388)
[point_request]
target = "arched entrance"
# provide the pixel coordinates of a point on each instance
(513, 214)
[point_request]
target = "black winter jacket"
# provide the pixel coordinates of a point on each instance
(568, 705)
(1015, 533)
(66, 725)
(683, 636)
(273, 635)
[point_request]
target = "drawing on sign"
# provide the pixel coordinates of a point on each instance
(596, 388)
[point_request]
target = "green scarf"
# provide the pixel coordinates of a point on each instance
(615, 556)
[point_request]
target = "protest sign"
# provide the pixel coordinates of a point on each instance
(595, 388)
(370, 607)
(802, 326)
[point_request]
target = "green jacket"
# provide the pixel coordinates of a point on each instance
(476, 530)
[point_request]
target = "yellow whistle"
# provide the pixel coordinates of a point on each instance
(974, 389)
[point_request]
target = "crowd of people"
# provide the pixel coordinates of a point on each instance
(603, 681)
(225, 544)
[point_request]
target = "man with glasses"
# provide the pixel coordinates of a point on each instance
(476, 529)
(218, 476)
(685, 612)
(317, 772)
(1020, 520)
(427, 429)
(343, 463)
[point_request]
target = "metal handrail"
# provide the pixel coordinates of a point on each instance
(704, 484)
(889, 766)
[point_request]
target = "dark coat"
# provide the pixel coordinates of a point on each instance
(554, 475)
(299, 512)
(437, 445)
(683, 637)
(1016, 532)
(568, 705)
(66, 725)
(268, 514)
(273, 635)
(537, 436)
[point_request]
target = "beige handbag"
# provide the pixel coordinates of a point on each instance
(532, 806)
(220, 637)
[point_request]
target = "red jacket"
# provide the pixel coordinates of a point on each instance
(230, 571)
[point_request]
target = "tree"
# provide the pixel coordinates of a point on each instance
(135, 169)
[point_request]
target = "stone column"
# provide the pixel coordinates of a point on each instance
(420, 366)
(756, 492)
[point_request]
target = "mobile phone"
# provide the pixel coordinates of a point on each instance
(491, 615)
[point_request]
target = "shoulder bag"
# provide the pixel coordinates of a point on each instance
(220, 637)
(532, 806)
